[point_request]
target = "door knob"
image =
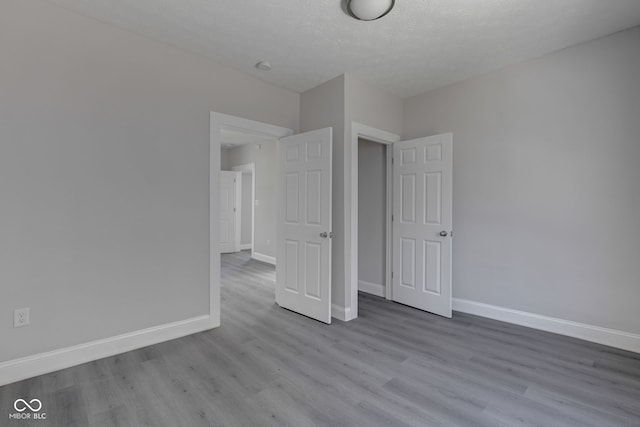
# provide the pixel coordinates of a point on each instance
(324, 234)
(443, 234)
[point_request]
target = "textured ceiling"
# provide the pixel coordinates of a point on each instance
(420, 45)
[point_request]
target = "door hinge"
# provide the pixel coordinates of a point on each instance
(393, 160)
(392, 274)
(392, 218)
(234, 180)
(234, 209)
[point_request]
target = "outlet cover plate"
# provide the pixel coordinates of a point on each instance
(21, 317)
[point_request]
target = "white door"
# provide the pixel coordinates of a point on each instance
(422, 223)
(303, 268)
(230, 198)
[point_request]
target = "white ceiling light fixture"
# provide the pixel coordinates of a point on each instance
(369, 10)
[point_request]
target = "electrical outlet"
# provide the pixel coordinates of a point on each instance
(21, 317)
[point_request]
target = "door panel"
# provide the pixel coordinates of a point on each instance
(422, 199)
(303, 268)
(230, 191)
(292, 197)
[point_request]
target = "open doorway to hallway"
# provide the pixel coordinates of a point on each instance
(243, 167)
(248, 209)
(295, 207)
(251, 159)
(247, 204)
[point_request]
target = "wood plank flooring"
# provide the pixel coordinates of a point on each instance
(393, 366)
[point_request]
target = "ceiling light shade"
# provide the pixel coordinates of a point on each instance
(369, 10)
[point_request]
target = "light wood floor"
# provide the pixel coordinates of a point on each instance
(393, 366)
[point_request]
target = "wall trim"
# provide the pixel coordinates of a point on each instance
(371, 288)
(44, 363)
(341, 313)
(264, 258)
(245, 246)
(611, 337)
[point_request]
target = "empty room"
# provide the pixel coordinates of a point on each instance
(320, 213)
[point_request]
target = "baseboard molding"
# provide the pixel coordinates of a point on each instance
(245, 246)
(44, 363)
(264, 258)
(341, 313)
(597, 334)
(371, 288)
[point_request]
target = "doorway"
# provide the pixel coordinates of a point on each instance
(225, 132)
(296, 175)
(247, 204)
(230, 197)
(418, 262)
(373, 224)
(373, 135)
(251, 156)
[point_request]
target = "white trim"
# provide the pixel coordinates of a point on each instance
(264, 258)
(43, 363)
(611, 337)
(250, 168)
(341, 313)
(388, 239)
(371, 288)
(351, 208)
(218, 121)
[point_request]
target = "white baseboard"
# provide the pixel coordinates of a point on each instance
(43, 363)
(341, 313)
(245, 246)
(371, 288)
(264, 258)
(611, 337)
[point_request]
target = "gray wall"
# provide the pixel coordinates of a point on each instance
(266, 160)
(368, 105)
(247, 202)
(337, 103)
(224, 159)
(545, 195)
(104, 175)
(373, 107)
(372, 206)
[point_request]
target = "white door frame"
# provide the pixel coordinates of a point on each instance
(369, 133)
(217, 122)
(250, 167)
